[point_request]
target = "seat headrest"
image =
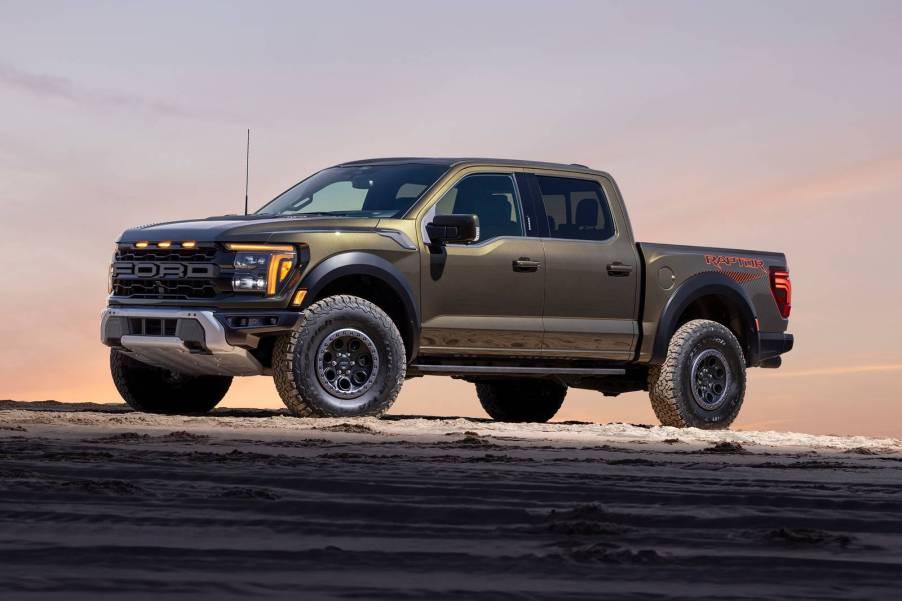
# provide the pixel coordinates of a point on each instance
(587, 213)
(496, 209)
(466, 203)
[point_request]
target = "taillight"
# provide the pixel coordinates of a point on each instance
(782, 290)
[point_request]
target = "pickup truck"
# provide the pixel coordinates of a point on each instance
(521, 277)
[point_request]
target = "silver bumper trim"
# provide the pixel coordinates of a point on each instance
(170, 352)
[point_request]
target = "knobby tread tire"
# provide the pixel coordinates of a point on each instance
(521, 400)
(300, 389)
(152, 389)
(666, 382)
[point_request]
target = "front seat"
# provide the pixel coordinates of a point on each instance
(493, 211)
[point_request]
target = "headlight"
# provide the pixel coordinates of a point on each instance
(251, 260)
(261, 267)
(248, 282)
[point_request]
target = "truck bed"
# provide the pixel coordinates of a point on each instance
(677, 274)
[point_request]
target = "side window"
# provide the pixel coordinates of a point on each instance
(576, 208)
(492, 198)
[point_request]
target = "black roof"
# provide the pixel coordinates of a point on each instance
(448, 162)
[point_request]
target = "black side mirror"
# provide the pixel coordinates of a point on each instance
(453, 228)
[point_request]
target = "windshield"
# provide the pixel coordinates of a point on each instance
(375, 191)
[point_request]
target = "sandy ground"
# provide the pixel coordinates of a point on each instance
(97, 501)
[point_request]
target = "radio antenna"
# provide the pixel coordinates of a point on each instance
(247, 169)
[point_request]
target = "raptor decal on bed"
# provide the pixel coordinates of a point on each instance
(723, 263)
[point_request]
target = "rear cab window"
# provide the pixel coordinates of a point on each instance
(576, 209)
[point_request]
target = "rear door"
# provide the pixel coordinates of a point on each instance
(592, 269)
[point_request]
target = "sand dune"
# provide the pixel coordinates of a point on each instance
(100, 501)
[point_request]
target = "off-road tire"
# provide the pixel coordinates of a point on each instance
(670, 386)
(521, 400)
(294, 359)
(156, 390)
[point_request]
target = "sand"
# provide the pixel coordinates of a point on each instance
(100, 502)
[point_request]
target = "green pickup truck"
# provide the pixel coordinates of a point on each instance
(521, 277)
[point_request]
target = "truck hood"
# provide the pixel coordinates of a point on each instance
(242, 228)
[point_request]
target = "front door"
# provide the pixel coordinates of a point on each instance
(592, 272)
(485, 297)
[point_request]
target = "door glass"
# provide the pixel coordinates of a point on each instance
(576, 208)
(492, 198)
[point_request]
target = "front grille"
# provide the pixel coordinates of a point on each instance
(172, 273)
(160, 255)
(171, 289)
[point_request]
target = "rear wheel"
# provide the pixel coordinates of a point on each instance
(344, 358)
(156, 390)
(701, 383)
(521, 400)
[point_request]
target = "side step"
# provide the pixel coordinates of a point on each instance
(453, 370)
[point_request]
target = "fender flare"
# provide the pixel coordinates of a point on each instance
(705, 284)
(364, 263)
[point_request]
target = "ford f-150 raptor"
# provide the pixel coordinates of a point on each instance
(521, 277)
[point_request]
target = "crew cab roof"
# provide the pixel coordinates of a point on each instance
(454, 161)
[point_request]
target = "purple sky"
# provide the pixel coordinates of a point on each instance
(773, 125)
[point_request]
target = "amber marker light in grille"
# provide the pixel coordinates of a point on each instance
(164, 244)
(298, 297)
(140, 244)
(189, 244)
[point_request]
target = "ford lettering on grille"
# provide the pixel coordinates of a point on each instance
(163, 270)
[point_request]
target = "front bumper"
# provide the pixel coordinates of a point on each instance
(195, 342)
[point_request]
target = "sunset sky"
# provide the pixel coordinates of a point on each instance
(767, 125)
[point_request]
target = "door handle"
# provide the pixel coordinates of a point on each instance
(526, 264)
(619, 270)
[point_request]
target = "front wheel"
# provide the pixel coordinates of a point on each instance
(156, 390)
(521, 400)
(701, 383)
(344, 358)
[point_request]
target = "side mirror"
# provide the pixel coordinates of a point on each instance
(453, 228)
